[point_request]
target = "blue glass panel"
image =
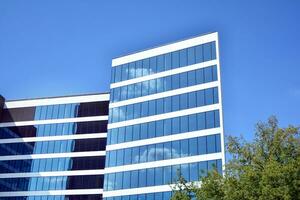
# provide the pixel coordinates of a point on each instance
(202, 145)
(214, 73)
(213, 50)
(167, 150)
(218, 143)
(135, 155)
(134, 179)
(168, 104)
(191, 56)
(136, 132)
(183, 80)
(175, 81)
(202, 169)
(139, 68)
(120, 157)
(126, 180)
(185, 171)
(137, 110)
(144, 131)
(183, 57)
(199, 76)
(193, 122)
(208, 74)
(175, 149)
(123, 93)
(216, 95)
(167, 126)
(131, 92)
(131, 70)
(159, 151)
(192, 99)
(152, 86)
(144, 109)
(194, 172)
(219, 166)
(211, 144)
(150, 177)
(153, 65)
(211, 165)
(118, 74)
(159, 128)
(160, 106)
(160, 63)
(168, 61)
(121, 135)
(176, 125)
(210, 119)
(217, 118)
(137, 90)
(191, 78)
(209, 96)
(200, 98)
(206, 51)
(143, 154)
(193, 147)
(183, 101)
(129, 133)
(175, 103)
(151, 129)
(175, 59)
(146, 65)
(184, 123)
(142, 178)
(175, 171)
(124, 72)
(201, 121)
(129, 112)
(145, 88)
(152, 107)
(199, 53)
(168, 83)
(119, 181)
(184, 144)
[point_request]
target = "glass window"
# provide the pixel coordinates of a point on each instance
(217, 118)
(207, 51)
(160, 106)
(208, 74)
(119, 180)
(146, 67)
(183, 101)
(135, 155)
(124, 93)
(175, 149)
(152, 107)
(167, 175)
(128, 134)
(120, 157)
(138, 90)
(143, 154)
(193, 147)
(199, 53)
(216, 95)
(160, 63)
(175, 171)
(144, 109)
(112, 158)
(209, 96)
(183, 57)
(167, 150)
(184, 124)
(159, 128)
(136, 132)
(183, 80)
(202, 145)
(167, 126)
(145, 88)
(184, 147)
(125, 72)
(168, 104)
(203, 169)
(129, 112)
(175, 81)
(139, 68)
(137, 110)
(117, 94)
(150, 177)
(168, 61)
(175, 59)
(142, 178)
(153, 65)
(213, 50)
(194, 172)
(158, 176)
(126, 180)
(191, 56)
(185, 170)
(211, 144)
(160, 85)
(211, 164)
(144, 131)
(131, 92)
(121, 135)
(176, 125)
(193, 122)
(152, 85)
(199, 76)
(175, 103)
(191, 78)
(192, 99)
(118, 74)
(218, 143)
(219, 166)
(159, 151)
(134, 179)
(210, 119)
(131, 70)
(151, 129)
(200, 98)
(214, 73)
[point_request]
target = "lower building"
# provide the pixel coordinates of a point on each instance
(53, 148)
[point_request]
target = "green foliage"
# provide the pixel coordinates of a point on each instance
(267, 168)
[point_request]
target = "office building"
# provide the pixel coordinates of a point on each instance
(53, 148)
(165, 116)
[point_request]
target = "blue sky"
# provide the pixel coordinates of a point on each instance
(50, 48)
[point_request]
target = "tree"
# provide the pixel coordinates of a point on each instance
(266, 168)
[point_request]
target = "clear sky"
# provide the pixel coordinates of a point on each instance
(63, 47)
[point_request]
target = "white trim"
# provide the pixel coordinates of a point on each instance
(165, 94)
(162, 163)
(164, 116)
(56, 100)
(53, 138)
(165, 49)
(136, 191)
(165, 73)
(53, 173)
(54, 155)
(51, 192)
(54, 121)
(162, 139)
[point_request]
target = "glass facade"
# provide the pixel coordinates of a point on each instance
(36, 157)
(163, 122)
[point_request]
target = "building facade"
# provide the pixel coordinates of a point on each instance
(53, 148)
(165, 116)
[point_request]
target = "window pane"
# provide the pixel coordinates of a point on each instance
(175, 149)
(191, 78)
(203, 169)
(144, 131)
(120, 157)
(134, 179)
(214, 73)
(151, 130)
(136, 132)
(175, 59)
(191, 56)
(137, 110)
(175, 81)
(201, 121)
(213, 50)
(118, 74)
(126, 180)
(216, 95)
(183, 57)
(185, 171)
(160, 63)
(167, 175)
(167, 126)
(145, 88)
(152, 107)
(138, 68)
(160, 106)
(121, 135)
(184, 147)
(150, 177)
(159, 128)
(176, 125)
(208, 74)
(168, 61)
(129, 133)
(199, 54)
(193, 122)
(211, 144)
(202, 145)
(146, 67)
(144, 112)
(217, 118)
(194, 172)
(168, 104)
(167, 150)
(131, 70)
(200, 98)
(192, 99)
(167, 83)
(151, 153)
(199, 76)
(125, 72)
(184, 124)
(218, 143)
(142, 178)
(183, 101)
(209, 96)
(207, 51)
(183, 80)
(210, 119)
(152, 85)
(193, 147)
(119, 180)
(175, 103)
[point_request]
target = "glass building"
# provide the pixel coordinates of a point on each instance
(165, 115)
(53, 148)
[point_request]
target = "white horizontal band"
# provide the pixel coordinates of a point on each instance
(165, 94)
(141, 190)
(53, 173)
(162, 139)
(54, 155)
(164, 73)
(54, 121)
(162, 163)
(54, 138)
(51, 192)
(165, 49)
(56, 100)
(164, 116)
